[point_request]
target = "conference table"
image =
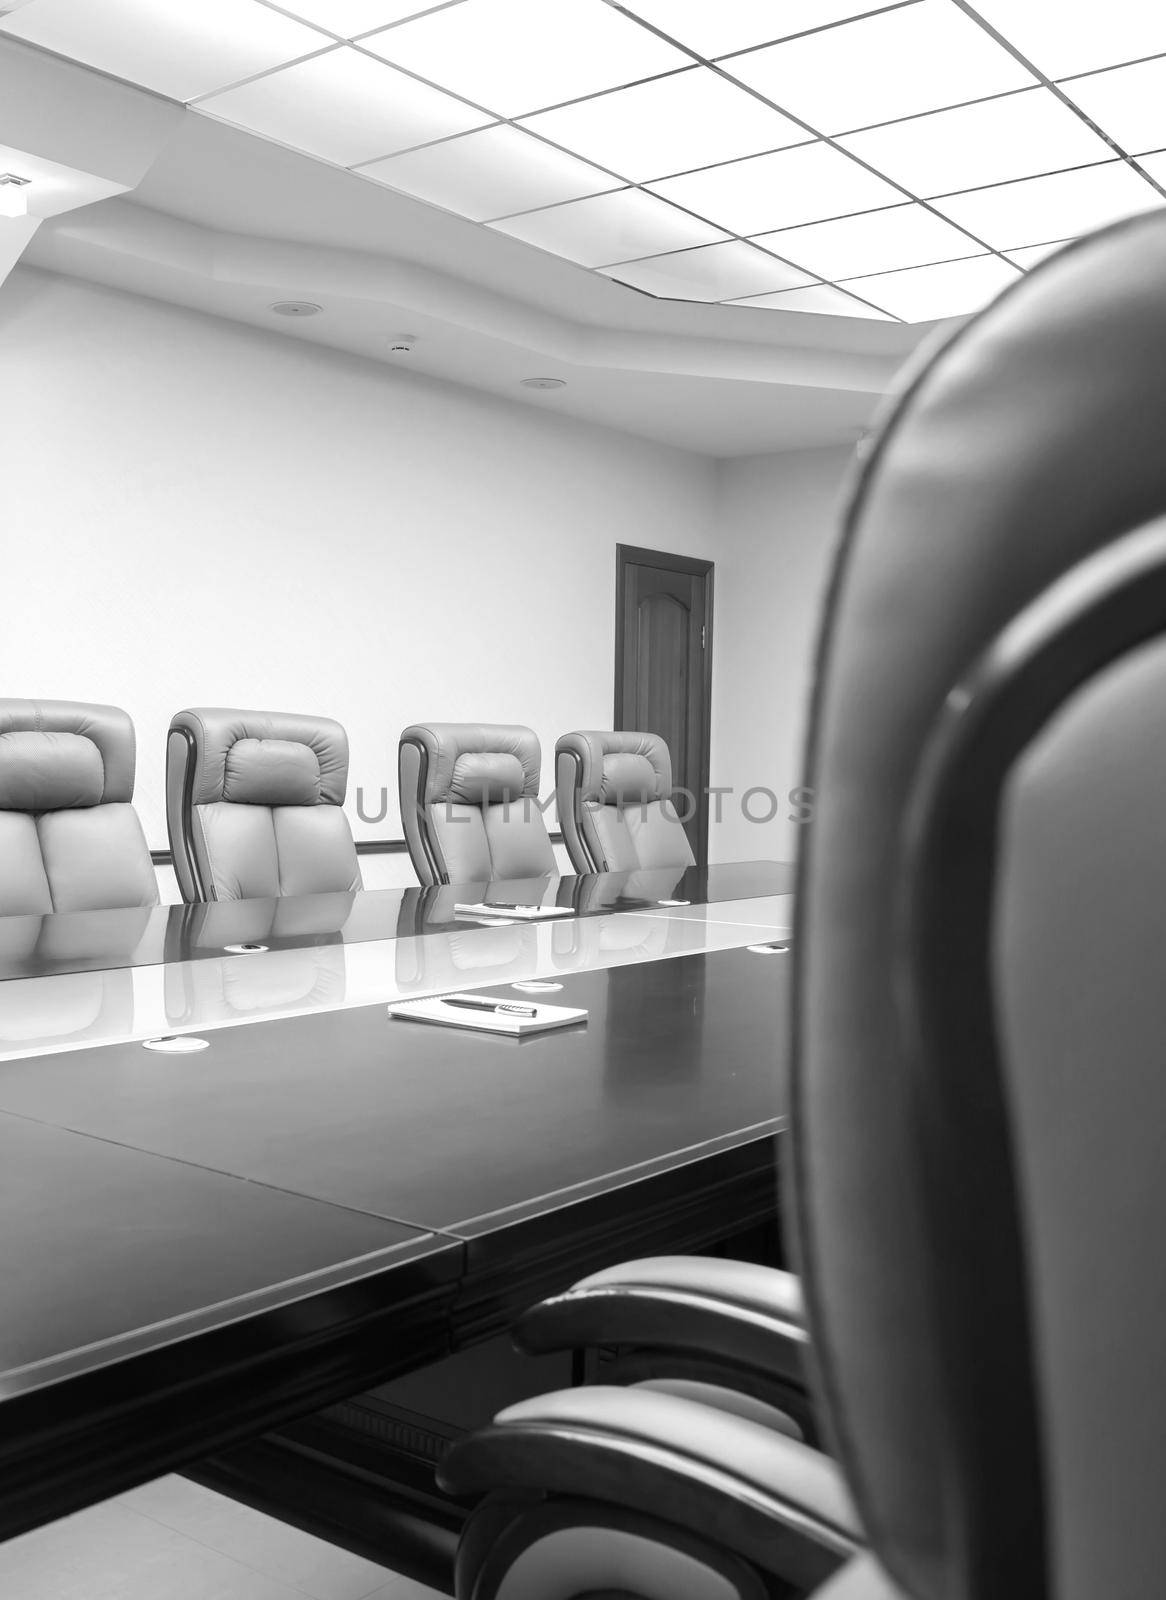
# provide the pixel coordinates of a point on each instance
(224, 1258)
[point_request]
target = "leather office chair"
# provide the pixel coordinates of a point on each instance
(253, 805)
(469, 802)
(614, 794)
(70, 839)
(975, 1162)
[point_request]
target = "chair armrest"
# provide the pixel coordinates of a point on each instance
(732, 1310)
(860, 1579)
(774, 1501)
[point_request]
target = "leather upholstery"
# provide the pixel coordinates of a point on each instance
(254, 805)
(469, 802)
(769, 1497)
(974, 1170)
(1030, 441)
(614, 793)
(70, 839)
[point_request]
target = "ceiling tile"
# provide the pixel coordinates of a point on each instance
(1056, 207)
(714, 29)
(1032, 253)
(1155, 165)
(520, 56)
(611, 228)
(180, 50)
(688, 119)
(347, 18)
(818, 297)
(1129, 103)
(716, 272)
(876, 241)
(343, 107)
(1064, 36)
(916, 58)
(1017, 136)
(785, 189)
(949, 290)
(491, 173)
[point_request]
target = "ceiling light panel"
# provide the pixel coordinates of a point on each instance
(716, 272)
(520, 56)
(714, 29)
(1017, 136)
(348, 18)
(820, 298)
(876, 241)
(669, 125)
(1057, 207)
(916, 58)
(1155, 165)
(343, 107)
(1128, 102)
(611, 228)
(491, 173)
(950, 290)
(1064, 36)
(806, 184)
(179, 50)
(1032, 254)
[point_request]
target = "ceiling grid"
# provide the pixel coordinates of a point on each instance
(900, 161)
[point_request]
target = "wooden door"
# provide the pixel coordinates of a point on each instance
(663, 657)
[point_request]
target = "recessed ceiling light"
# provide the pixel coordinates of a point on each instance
(296, 308)
(543, 383)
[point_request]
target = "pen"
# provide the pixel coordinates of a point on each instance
(500, 1009)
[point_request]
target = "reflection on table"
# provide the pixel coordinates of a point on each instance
(37, 946)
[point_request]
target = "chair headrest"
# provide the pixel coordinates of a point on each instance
(619, 769)
(59, 754)
(477, 763)
(265, 758)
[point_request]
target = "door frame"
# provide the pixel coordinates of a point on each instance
(634, 555)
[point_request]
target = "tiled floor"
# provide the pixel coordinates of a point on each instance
(172, 1540)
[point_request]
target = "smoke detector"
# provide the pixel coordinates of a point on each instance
(543, 383)
(401, 344)
(296, 308)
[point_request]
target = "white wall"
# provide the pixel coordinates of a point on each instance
(777, 530)
(198, 513)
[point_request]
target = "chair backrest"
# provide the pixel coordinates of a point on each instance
(614, 794)
(254, 805)
(469, 802)
(70, 839)
(979, 1009)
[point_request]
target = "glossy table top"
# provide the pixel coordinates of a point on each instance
(118, 1251)
(438, 1128)
(109, 1005)
(37, 946)
(324, 1197)
(314, 1203)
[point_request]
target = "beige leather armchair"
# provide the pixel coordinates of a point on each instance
(469, 802)
(254, 805)
(70, 839)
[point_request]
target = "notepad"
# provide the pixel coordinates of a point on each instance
(515, 1027)
(513, 913)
